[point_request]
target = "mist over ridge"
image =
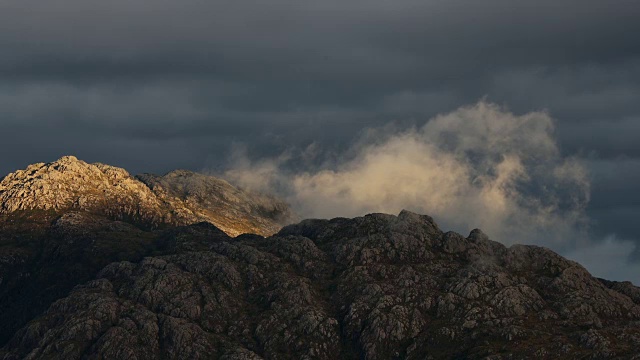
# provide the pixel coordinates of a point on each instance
(480, 165)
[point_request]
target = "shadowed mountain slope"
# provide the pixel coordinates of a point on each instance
(61, 222)
(373, 287)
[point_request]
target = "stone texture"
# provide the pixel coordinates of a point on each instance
(178, 198)
(373, 287)
(199, 197)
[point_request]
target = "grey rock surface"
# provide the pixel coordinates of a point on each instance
(373, 287)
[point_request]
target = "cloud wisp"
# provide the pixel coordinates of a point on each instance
(478, 166)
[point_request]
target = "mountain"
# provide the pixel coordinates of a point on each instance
(82, 282)
(374, 287)
(195, 198)
(177, 198)
(61, 222)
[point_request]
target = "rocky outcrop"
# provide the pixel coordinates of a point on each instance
(69, 183)
(202, 197)
(374, 287)
(61, 222)
(178, 198)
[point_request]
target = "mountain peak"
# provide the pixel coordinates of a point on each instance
(179, 198)
(68, 158)
(180, 172)
(63, 184)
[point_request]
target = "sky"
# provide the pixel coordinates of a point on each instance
(518, 117)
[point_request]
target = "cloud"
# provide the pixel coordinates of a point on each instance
(478, 166)
(173, 85)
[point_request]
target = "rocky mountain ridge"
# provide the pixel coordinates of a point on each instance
(178, 198)
(373, 287)
(96, 264)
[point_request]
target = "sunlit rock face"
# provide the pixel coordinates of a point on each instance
(69, 183)
(372, 287)
(178, 198)
(207, 198)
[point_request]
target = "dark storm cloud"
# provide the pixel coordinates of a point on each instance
(153, 86)
(281, 40)
(615, 203)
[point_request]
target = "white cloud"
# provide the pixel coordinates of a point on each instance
(478, 166)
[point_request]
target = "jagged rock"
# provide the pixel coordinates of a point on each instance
(373, 287)
(70, 183)
(178, 198)
(207, 197)
(61, 222)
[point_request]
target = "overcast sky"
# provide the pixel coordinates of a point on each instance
(156, 85)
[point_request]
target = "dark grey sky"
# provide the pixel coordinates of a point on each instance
(157, 85)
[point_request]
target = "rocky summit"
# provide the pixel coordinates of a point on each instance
(178, 198)
(81, 282)
(373, 287)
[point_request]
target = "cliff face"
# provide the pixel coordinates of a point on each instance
(374, 287)
(178, 198)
